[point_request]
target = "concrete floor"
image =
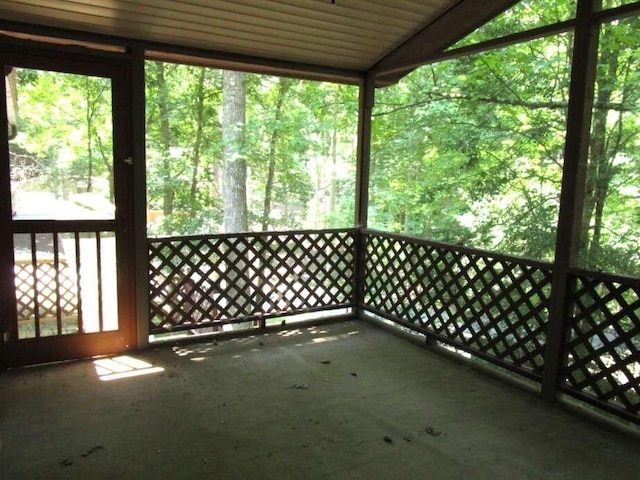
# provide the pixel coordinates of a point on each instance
(344, 400)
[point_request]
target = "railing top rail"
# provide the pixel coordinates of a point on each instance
(606, 277)
(461, 249)
(249, 234)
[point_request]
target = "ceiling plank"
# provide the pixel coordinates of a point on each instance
(196, 18)
(230, 40)
(344, 34)
(457, 22)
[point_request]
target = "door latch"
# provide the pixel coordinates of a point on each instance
(128, 160)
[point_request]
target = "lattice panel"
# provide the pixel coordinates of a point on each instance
(603, 360)
(44, 289)
(217, 279)
(307, 271)
(491, 305)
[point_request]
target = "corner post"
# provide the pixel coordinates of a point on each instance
(576, 151)
(365, 108)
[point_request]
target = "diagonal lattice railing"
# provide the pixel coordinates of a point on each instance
(603, 343)
(490, 305)
(211, 280)
(493, 306)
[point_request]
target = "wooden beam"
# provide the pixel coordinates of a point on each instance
(457, 22)
(167, 52)
(501, 42)
(532, 34)
(203, 58)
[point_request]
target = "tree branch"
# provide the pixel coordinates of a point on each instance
(534, 105)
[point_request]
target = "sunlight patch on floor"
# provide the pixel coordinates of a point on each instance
(124, 366)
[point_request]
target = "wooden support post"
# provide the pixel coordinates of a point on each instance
(8, 314)
(365, 107)
(141, 251)
(576, 152)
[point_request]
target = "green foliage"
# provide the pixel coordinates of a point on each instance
(64, 127)
(184, 147)
(471, 150)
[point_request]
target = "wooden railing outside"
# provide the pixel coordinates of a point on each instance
(490, 305)
(602, 364)
(208, 281)
(46, 285)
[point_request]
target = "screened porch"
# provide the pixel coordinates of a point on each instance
(356, 251)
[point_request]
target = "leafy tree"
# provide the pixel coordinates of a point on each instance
(462, 142)
(470, 150)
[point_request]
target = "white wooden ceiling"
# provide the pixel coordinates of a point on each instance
(340, 34)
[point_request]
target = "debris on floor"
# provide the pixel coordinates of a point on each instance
(67, 462)
(388, 439)
(432, 432)
(301, 386)
(354, 374)
(92, 450)
(326, 362)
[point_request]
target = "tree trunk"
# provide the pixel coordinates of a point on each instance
(234, 190)
(107, 161)
(89, 120)
(234, 165)
(165, 141)
(334, 181)
(12, 102)
(104, 152)
(197, 146)
(284, 84)
(600, 163)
